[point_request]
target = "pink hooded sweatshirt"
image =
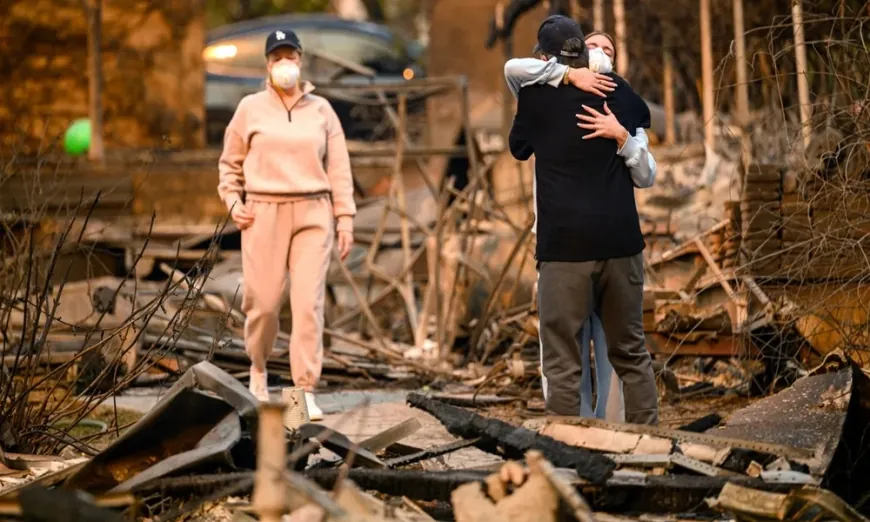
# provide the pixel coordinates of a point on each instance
(275, 153)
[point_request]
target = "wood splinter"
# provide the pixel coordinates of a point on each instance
(269, 499)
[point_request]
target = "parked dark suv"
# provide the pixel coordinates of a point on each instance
(235, 66)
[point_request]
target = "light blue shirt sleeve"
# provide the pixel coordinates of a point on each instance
(639, 160)
(520, 72)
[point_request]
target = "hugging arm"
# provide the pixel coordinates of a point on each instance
(635, 150)
(639, 160)
(522, 72)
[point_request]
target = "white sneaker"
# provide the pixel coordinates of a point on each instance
(314, 413)
(258, 385)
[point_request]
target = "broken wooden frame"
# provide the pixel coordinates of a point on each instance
(472, 202)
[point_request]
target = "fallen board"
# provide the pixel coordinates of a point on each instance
(653, 494)
(512, 442)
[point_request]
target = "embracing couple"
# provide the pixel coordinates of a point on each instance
(585, 126)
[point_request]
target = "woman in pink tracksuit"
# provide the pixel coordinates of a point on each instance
(285, 177)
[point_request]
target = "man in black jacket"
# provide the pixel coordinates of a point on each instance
(590, 247)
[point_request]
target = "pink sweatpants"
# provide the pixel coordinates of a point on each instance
(295, 238)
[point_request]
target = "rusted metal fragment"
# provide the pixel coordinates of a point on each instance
(188, 428)
(176, 425)
(214, 448)
(796, 417)
(504, 439)
(829, 414)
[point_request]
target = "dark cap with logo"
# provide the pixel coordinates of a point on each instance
(282, 38)
(554, 32)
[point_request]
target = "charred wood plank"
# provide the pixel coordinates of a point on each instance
(503, 439)
(652, 494)
(39, 504)
(414, 484)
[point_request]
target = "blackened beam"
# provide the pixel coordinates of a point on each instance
(654, 494)
(508, 441)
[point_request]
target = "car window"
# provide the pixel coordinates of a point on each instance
(243, 55)
(357, 47)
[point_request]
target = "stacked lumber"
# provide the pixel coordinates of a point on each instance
(761, 219)
(725, 242)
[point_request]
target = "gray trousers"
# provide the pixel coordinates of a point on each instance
(568, 292)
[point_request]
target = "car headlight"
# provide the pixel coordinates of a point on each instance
(220, 52)
(408, 73)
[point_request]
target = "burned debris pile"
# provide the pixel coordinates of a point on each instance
(208, 444)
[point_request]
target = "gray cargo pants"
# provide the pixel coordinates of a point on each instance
(567, 293)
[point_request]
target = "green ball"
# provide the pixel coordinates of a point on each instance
(77, 139)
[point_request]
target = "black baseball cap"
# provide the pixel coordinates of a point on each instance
(282, 38)
(554, 32)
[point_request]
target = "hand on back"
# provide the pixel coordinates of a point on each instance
(602, 125)
(591, 82)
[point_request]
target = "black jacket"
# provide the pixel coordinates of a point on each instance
(585, 196)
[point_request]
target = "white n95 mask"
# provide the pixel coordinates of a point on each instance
(599, 62)
(285, 74)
